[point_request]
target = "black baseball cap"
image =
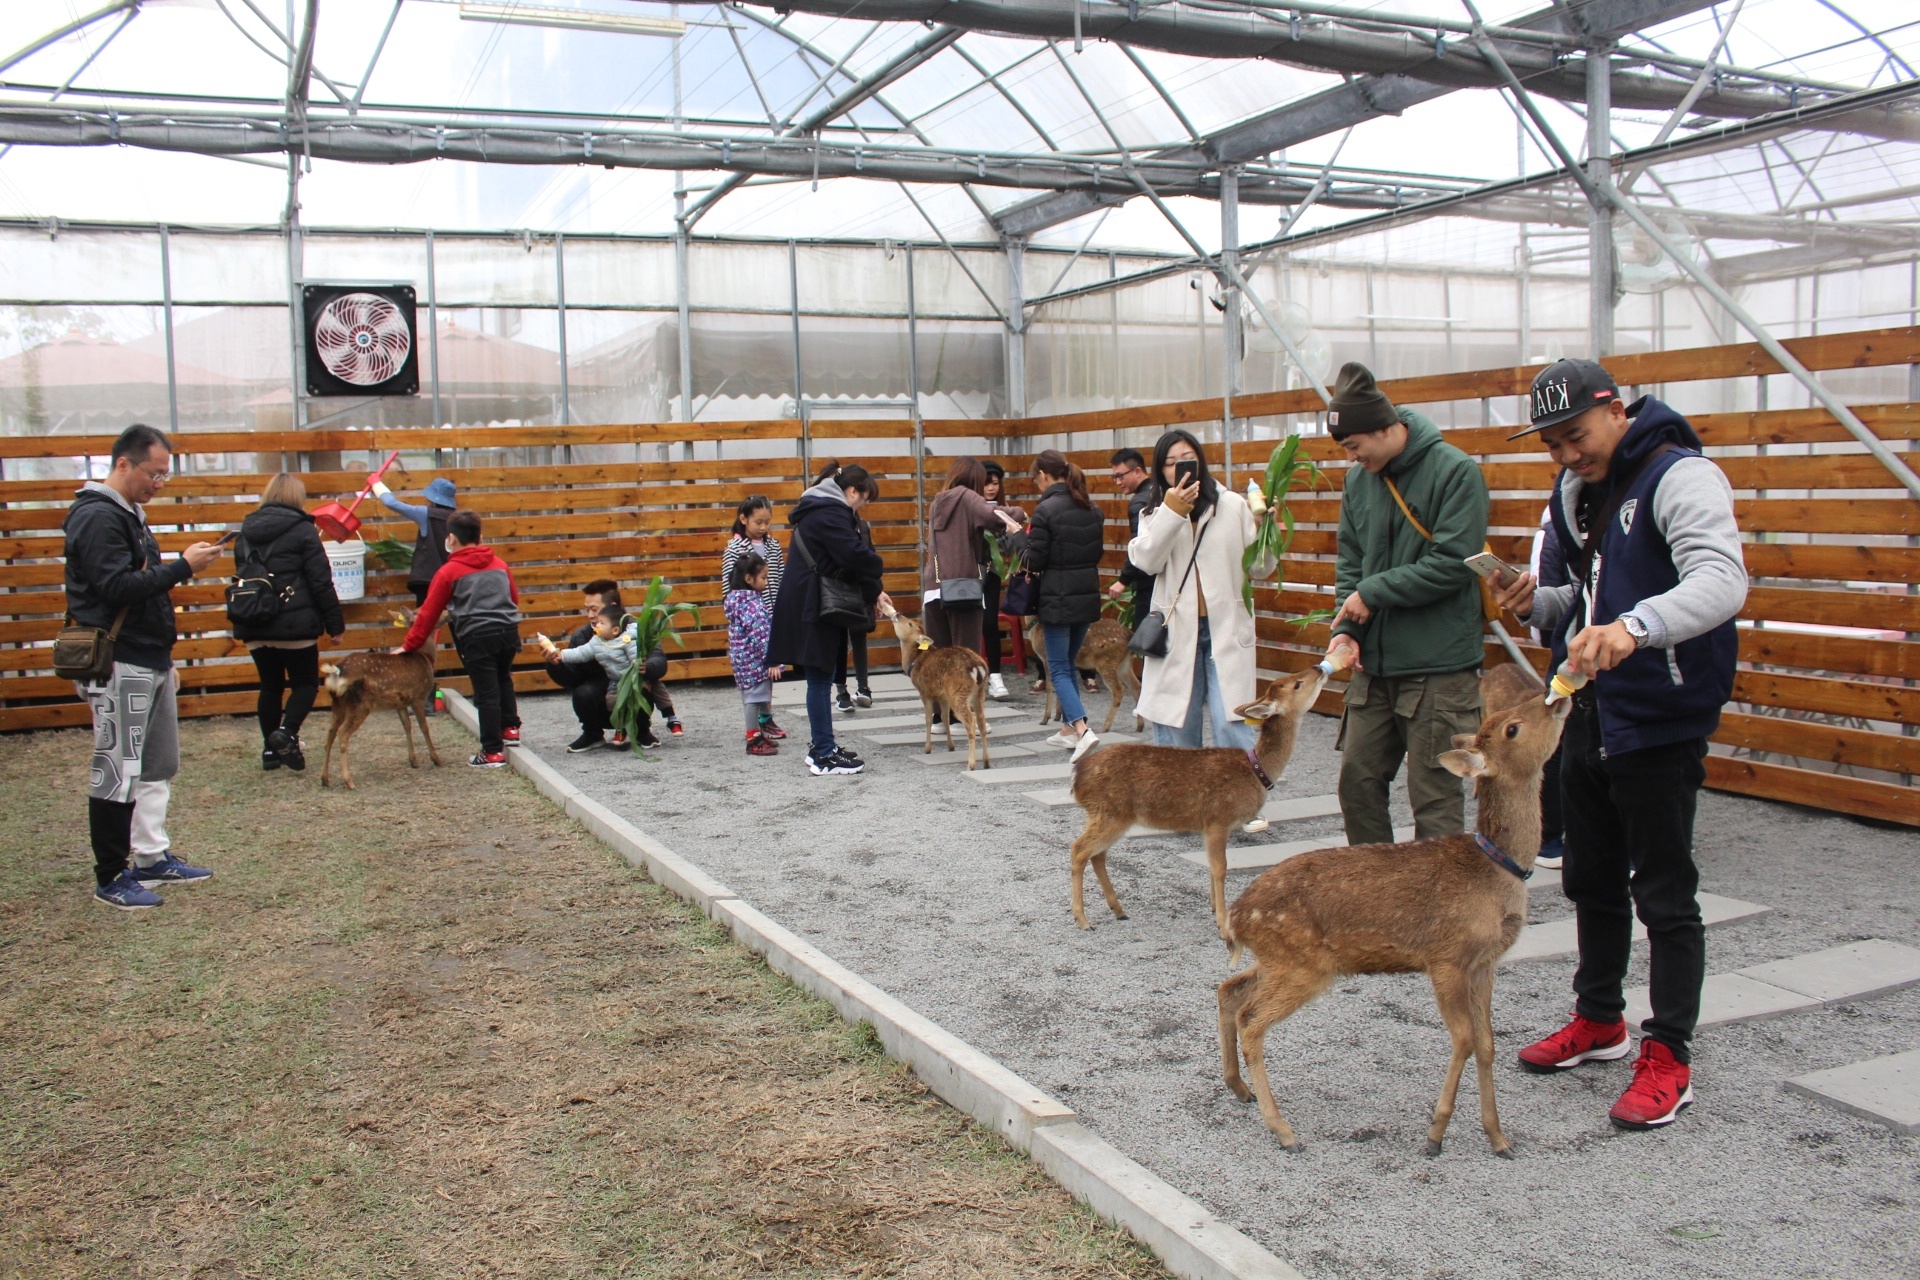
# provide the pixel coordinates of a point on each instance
(1566, 389)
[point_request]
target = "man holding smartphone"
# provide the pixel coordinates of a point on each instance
(1655, 578)
(1414, 508)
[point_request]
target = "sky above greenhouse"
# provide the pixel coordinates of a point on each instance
(740, 66)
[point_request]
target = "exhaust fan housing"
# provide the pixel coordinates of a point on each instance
(361, 340)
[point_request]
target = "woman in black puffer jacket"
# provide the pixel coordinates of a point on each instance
(280, 538)
(1064, 547)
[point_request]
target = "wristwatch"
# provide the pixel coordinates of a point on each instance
(1635, 628)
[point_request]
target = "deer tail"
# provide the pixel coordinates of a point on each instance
(338, 683)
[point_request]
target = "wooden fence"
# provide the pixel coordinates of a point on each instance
(1828, 668)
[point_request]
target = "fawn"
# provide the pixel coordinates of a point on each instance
(952, 682)
(1448, 907)
(366, 682)
(1213, 790)
(1105, 651)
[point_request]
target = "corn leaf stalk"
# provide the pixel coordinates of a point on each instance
(392, 553)
(1286, 468)
(653, 627)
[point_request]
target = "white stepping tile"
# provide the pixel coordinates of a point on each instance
(1548, 941)
(1025, 773)
(1727, 997)
(1884, 1090)
(1856, 971)
(1258, 857)
(997, 751)
(1063, 795)
(872, 719)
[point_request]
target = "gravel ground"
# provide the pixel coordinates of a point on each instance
(1119, 1021)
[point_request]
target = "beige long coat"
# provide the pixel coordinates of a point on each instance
(1163, 547)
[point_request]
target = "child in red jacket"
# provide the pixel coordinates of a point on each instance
(479, 589)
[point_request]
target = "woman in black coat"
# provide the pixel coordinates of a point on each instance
(280, 538)
(826, 541)
(1064, 546)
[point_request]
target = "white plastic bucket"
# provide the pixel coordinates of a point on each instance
(349, 561)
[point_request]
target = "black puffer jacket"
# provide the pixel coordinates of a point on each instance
(1064, 547)
(107, 543)
(283, 540)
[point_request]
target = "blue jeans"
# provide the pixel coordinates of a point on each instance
(1062, 643)
(820, 706)
(1206, 699)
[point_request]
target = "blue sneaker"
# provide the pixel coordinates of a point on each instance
(126, 893)
(170, 870)
(1551, 853)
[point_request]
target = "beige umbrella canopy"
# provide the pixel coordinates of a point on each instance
(76, 384)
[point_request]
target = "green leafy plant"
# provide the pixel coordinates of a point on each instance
(653, 627)
(1123, 608)
(391, 552)
(1286, 468)
(1004, 566)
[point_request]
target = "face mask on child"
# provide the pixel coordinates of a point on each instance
(451, 546)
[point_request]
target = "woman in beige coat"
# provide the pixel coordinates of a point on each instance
(1209, 667)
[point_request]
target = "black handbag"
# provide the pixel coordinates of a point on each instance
(1018, 598)
(959, 593)
(1150, 636)
(838, 603)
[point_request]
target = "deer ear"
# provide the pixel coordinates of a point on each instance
(1256, 711)
(1465, 741)
(1466, 764)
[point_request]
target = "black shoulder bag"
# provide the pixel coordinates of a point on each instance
(838, 603)
(1150, 637)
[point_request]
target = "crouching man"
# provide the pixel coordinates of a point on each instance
(1655, 578)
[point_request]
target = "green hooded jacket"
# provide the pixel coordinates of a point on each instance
(1425, 600)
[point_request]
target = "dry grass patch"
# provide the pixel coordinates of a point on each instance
(432, 1028)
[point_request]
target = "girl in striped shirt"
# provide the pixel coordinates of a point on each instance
(751, 522)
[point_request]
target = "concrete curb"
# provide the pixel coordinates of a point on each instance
(1191, 1241)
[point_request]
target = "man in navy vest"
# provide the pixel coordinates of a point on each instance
(1655, 577)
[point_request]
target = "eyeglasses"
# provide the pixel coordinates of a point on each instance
(158, 477)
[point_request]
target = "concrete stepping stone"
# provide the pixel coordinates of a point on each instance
(873, 719)
(1258, 857)
(914, 737)
(1025, 773)
(1884, 1090)
(997, 750)
(1549, 941)
(1856, 971)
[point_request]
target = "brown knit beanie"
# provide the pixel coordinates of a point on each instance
(1358, 403)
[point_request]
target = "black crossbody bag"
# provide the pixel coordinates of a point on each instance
(838, 603)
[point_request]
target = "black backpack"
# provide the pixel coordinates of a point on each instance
(253, 597)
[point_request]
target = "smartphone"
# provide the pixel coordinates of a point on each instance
(227, 537)
(1186, 472)
(1492, 568)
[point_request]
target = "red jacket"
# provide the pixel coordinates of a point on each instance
(479, 588)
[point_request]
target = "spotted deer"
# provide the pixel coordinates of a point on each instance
(1105, 651)
(1448, 906)
(952, 682)
(1213, 790)
(366, 682)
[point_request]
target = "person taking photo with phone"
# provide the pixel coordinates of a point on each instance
(1655, 577)
(1194, 544)
(1409, 620)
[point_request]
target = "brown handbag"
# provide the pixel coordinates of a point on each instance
(85, 654)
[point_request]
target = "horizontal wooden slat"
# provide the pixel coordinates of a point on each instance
(1890, 752)
(1888, 802)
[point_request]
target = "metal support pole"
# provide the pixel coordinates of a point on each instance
(919, 426)
(296, 305)
(1602, 290)
(1016, 328)
(560, 295)
(433, 339)
(1230, 318)
(799, 392)
(166, 319)
(684, 310)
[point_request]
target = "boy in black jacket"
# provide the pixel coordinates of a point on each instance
(115, 573)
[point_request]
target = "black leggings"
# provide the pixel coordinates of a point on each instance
(295, 672)
(990, 616)
(857, 642)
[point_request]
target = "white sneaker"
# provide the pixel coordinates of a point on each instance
(1087, 743)
(1061, 739)
(996, 687)
(1255, 827)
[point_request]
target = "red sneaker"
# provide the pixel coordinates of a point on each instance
(1582, 1040)
(620, 738)
(673, 727)
(511, 736)
(1662, 1088)
(773, 730)
(757, 745)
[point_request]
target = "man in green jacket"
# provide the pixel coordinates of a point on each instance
(1409, 614)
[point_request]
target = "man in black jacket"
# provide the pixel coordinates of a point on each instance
(116, 575)
(1130, 477)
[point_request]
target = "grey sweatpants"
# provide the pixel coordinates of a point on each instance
(136, 748)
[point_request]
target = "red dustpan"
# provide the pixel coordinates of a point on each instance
(338, 522)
